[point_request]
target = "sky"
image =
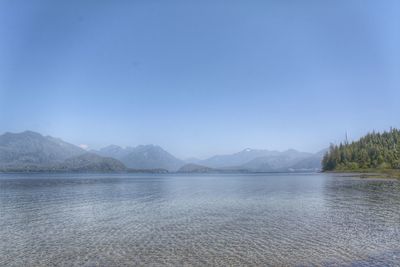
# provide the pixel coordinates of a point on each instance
(200, 77)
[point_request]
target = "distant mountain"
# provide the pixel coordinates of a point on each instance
(195, 168)
(113, 151)
(30, 151)
(312, 163)
(255, 160)
(90, 162)
(236, 159)
(143, 157)
(282, 161)
(33, 149)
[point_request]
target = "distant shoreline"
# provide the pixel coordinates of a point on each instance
(144, 171)
(82, 171)
(371, 173)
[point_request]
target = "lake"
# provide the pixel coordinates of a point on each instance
(200, 220)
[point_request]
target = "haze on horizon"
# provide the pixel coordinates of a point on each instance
(200, 78)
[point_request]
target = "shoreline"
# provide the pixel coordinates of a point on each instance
(389, 174)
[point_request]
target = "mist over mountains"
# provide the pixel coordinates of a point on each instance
(31, 151)
(257, 160)
(142, 157)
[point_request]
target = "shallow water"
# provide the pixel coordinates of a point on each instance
(260, 219)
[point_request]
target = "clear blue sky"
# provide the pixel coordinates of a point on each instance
(200, 77)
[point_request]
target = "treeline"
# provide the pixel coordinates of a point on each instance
(373, 151)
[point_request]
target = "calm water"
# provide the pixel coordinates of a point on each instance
(268, 219)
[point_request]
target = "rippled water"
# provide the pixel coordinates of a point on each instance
(263, 219)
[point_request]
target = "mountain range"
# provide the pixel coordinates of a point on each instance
(257, 160)
(31, 151)
(142, 157)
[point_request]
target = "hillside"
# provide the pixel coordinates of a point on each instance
(32, 152)
(18, 150)
(90, 162)
(143, 157)
(282, 161)
(236, 159)
(258, 160)
(195, 168)
(373, 151)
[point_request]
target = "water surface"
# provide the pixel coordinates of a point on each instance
(236, 219)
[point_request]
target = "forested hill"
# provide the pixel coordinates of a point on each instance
(373, 151)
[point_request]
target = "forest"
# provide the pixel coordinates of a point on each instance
(373, 151)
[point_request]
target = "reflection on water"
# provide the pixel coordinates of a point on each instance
(263, 219)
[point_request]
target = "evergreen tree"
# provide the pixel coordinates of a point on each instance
(375, 150)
